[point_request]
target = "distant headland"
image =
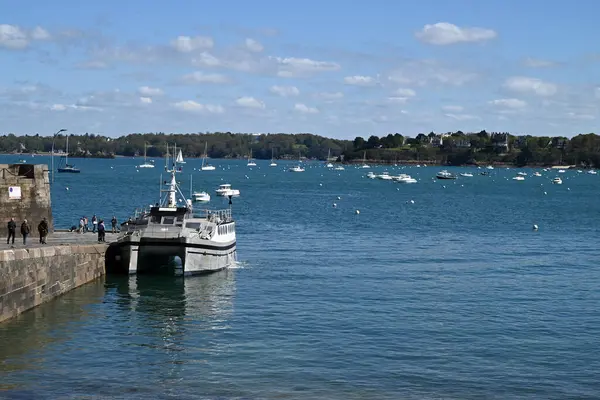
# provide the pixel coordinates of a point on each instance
(452, 148)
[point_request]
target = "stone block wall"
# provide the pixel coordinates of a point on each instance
(30, 277)
(34, 203)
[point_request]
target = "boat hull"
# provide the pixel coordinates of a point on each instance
(68, 170)
(169, 257)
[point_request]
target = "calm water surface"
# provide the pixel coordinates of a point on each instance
(453, 296)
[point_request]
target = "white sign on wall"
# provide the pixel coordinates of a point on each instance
(14, 192)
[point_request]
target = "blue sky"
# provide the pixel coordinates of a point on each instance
(339, 69)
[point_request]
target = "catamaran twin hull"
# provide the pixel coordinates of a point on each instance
(175, 255)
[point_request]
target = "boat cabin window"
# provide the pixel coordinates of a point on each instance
(156, 219)
(180, 218)
(192, 225)
(168, 220)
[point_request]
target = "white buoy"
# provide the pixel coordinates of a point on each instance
(339, 198)
(357, 212)
(412, 202)
(334, 205)
(320, 184)
(67, 188)
(545, 192)
(535, 227)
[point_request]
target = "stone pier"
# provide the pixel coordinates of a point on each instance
(31, 275)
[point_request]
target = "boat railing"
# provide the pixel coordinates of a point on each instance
(217, 216)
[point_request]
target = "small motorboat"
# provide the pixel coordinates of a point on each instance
(445, 175)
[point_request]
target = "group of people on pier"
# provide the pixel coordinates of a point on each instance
(26, 230)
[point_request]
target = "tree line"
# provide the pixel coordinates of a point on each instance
(451, 148)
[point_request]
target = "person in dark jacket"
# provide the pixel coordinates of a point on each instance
(25, 229)
(12, 229)
(101, 231)
(113, 222)
(43, 230)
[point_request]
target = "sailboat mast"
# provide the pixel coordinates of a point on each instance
(67, 154)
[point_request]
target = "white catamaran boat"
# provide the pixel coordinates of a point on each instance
(174, 238)
(273, 163)
(146, 164)
(206, 166)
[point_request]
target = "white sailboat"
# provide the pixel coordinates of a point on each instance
(251, 162)
(273, 163)
(206, 167)
(180, 158)
(69, 168)
(146, 164)
(365, 165)
(329, 164)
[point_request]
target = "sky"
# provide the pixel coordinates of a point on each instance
(333, 68)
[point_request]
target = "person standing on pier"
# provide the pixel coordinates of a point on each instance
(94, 223)
(113, 222)
(25, 229)
(43, 230)
(101, 231)
(12, 229)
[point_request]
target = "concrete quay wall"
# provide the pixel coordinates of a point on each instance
(30, 277)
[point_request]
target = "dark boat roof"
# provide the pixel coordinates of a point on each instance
(166, 211)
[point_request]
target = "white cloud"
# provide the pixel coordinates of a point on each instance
(461, 117)
(254, 45)
(63, 107)
(290, 67)
(444, 33)
(39, 33)
(426, 72)
(304, 109)
(192, 106)
(535, 86)
(145, 100)
(360, 80)
(148, 91)
(187, 44)
(537, 63)
(13, 37)
(587, 117)
(509, 103)
(405, 92)
(201, 77)
(206, 59)
(330, 95)
(452, 108)
(285, 91)
(398, 99)
(250, 102)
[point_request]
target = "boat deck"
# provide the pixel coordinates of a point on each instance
(56, 239)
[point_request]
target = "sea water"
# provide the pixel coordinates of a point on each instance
(451, 295)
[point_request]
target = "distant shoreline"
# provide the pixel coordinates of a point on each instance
(351, 162)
